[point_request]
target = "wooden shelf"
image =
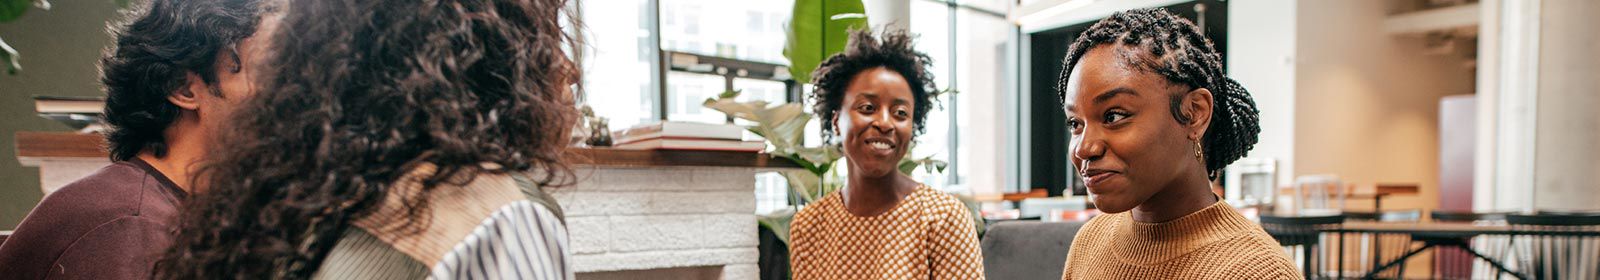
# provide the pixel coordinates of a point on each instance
(33, 146)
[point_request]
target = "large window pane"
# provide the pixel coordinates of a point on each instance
(930, 23)
(983, 52)
(617, 61)
(739, 29)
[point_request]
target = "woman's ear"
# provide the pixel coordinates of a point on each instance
(188, 96)
(1198, 104)
(837, 130)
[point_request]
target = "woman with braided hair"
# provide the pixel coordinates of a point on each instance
(1153, 118)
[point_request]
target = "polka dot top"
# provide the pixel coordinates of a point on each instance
(929, 235)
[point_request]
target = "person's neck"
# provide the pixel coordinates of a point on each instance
(1185, 196)
(185, 148)
(874, 195)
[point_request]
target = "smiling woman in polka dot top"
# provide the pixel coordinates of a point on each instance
(874, 97)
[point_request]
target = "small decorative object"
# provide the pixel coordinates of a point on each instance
(600, 135)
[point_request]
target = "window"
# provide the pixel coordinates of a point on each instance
(617, 65)
(737, 29)
(930, 23)
(973, 47)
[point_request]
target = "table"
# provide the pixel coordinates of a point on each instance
(1441, 234)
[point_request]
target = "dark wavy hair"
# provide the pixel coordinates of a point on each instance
(1174, 48)
(361, 92)
(155, 49)
(892, 49)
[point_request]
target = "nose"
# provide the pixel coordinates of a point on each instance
(882, 121)
(1088, 146)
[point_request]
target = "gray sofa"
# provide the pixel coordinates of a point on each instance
(1027, 249)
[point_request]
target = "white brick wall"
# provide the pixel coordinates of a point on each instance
(664, 217)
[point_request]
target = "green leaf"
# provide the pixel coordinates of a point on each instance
(10, 10)
(818, 29)
(778, 222)
(806, 184)
(9, 56)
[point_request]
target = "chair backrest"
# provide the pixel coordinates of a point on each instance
(1319, 194)
(1466, 216)
(1412, 215)
(1546, 256)
(1027, 249)
(1299, 230)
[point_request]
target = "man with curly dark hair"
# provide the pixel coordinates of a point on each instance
(873, 98)
(177, 69)
(394, 140)
(1153, 118)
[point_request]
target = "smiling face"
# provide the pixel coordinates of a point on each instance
(1126, 143)
(875, 119)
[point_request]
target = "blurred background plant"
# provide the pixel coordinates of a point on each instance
(11, 10)
(783, 127)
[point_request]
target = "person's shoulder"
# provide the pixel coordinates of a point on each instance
(816, 209)
(1255, 255)
(938, 201)
(1254, 261)
(108, 193)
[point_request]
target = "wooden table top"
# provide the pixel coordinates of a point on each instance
(33, 146)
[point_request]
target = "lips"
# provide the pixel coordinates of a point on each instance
(1096, 179)
(880, 144)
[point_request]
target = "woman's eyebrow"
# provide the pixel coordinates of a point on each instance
(1108, 94)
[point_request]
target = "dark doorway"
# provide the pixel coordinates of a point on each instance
(1052, 170)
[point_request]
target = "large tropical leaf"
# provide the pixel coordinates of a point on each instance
(818, 29)
(12, 9)
(778, 222)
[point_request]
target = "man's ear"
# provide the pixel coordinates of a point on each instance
(1198, 104)
(188, 96)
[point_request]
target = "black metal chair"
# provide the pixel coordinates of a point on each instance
(1457, 263)
(1551, 251)
(1383, 247)
(1303, 233)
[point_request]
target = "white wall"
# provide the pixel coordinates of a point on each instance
(1261, 57)
(1367, 102)
(60, 48)
(1567, 155)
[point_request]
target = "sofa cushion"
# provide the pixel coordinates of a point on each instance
(1027, 249)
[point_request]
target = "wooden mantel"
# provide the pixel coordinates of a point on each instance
(33, 146)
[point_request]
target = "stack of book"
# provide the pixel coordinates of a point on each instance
(686, 136)
(83, 113)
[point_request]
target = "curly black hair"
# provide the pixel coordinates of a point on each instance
(160, 43)
(892, 50)
(359, 93)
(1174, 48)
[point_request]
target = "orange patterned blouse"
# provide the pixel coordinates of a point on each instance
(929, 235)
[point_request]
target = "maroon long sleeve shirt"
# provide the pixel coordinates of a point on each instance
(112, 224)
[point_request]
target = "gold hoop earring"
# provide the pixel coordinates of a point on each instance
(1199, 153)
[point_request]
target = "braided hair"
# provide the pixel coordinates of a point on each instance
(1175, 49)
(892, 50)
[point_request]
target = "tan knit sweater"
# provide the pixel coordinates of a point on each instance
(929, 235)
(1213, 243)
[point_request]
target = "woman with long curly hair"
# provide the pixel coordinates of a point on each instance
(394, 140)
(1153, 119)
(874, 97)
